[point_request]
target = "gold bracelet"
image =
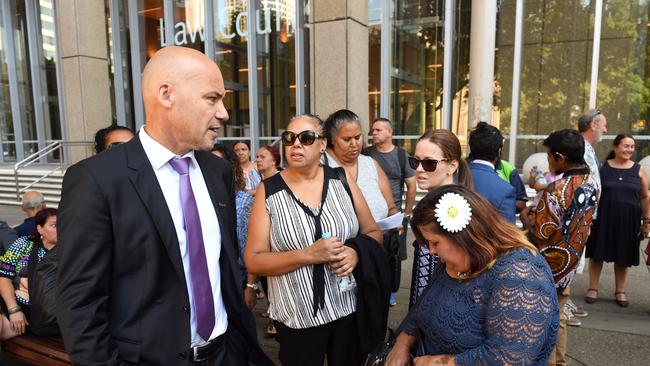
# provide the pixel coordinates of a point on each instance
(14, 310)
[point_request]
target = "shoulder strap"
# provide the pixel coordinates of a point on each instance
(401, 156)
(340, 175)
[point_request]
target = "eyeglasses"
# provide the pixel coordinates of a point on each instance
(429, 165)
(306, 138)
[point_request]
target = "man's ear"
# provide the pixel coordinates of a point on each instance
(165, 94)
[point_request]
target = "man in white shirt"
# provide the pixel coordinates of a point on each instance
(148, 271)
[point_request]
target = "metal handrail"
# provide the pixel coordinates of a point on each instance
(37, 156)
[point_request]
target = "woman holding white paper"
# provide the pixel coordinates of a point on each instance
(344, 144)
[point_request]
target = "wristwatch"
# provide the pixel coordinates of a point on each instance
(14, 310)
(254, 286)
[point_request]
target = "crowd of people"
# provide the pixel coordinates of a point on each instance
(165, 242)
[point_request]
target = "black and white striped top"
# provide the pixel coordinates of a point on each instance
(291, 294)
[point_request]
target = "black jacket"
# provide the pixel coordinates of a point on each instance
(122, 293)
(373, 284)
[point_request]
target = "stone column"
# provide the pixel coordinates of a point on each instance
(481, 61)
(82, 44)
(339, 58)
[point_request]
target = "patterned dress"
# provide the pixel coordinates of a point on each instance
(16, 259)
(562, 222)
(508, 315)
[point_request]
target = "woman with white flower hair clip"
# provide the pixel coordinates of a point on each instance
(491, 300)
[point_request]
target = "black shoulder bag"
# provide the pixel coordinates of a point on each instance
(42, 294)
(378, 356)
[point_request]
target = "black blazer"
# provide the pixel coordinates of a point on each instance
(122, 291)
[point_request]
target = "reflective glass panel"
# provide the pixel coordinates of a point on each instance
(417, 52)
(7, 138)
(275, 29)
(189, 24)
(555, 69)
(230, 46)
(624, 74)
(24, 79)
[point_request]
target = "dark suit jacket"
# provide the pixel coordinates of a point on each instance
(122, 291)
(500, 194)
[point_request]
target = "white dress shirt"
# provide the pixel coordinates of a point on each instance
(168, 179)
(484, 162)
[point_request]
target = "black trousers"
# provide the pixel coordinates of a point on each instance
(308, 347)
(232, 351)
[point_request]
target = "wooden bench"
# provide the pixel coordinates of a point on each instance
(32, 350)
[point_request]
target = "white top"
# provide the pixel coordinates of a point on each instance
(368, 182)
(484, 162)
(168, 179)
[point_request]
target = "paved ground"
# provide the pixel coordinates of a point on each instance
(611, 335)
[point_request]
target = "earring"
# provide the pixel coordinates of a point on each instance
(322, 151)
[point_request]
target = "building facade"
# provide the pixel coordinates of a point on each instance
(70, 67)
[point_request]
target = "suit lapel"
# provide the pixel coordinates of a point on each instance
(146, 184)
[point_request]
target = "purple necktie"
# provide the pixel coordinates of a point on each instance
(201, 287)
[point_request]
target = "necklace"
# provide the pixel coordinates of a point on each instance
(620, 175)
(462, 275)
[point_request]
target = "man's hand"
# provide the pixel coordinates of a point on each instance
(250, 297)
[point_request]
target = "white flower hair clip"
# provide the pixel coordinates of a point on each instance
(453, 212)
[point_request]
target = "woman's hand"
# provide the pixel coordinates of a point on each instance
(18, 322)
(326, 250)
(346, 265)
(398, 356)
(437, 360)
(645, 228)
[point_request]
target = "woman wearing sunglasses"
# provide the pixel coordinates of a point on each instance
(302, 216)
(437, 162)
(344, 144)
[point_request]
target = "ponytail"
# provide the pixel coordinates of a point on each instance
(464, 175)
(611, 155)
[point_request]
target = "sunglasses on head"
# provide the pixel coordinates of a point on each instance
(306, 138)
(429, 165)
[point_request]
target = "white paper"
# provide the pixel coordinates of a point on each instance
(391, 222)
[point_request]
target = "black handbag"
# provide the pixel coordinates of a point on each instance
(42, 294)
(379, 354)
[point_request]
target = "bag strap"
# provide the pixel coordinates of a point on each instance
(401, 326)
(340, 174)
(401, 156)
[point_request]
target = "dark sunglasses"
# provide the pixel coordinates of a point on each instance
(115, 144)
(306, 138)
(429, 165)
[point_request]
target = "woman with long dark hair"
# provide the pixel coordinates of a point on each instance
(623, 218)
(16, 263)
(491, 299)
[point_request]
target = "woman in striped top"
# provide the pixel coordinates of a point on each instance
(292, 214)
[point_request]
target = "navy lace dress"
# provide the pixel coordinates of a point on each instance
(508, 315)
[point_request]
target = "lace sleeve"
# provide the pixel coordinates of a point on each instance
(521, 319)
